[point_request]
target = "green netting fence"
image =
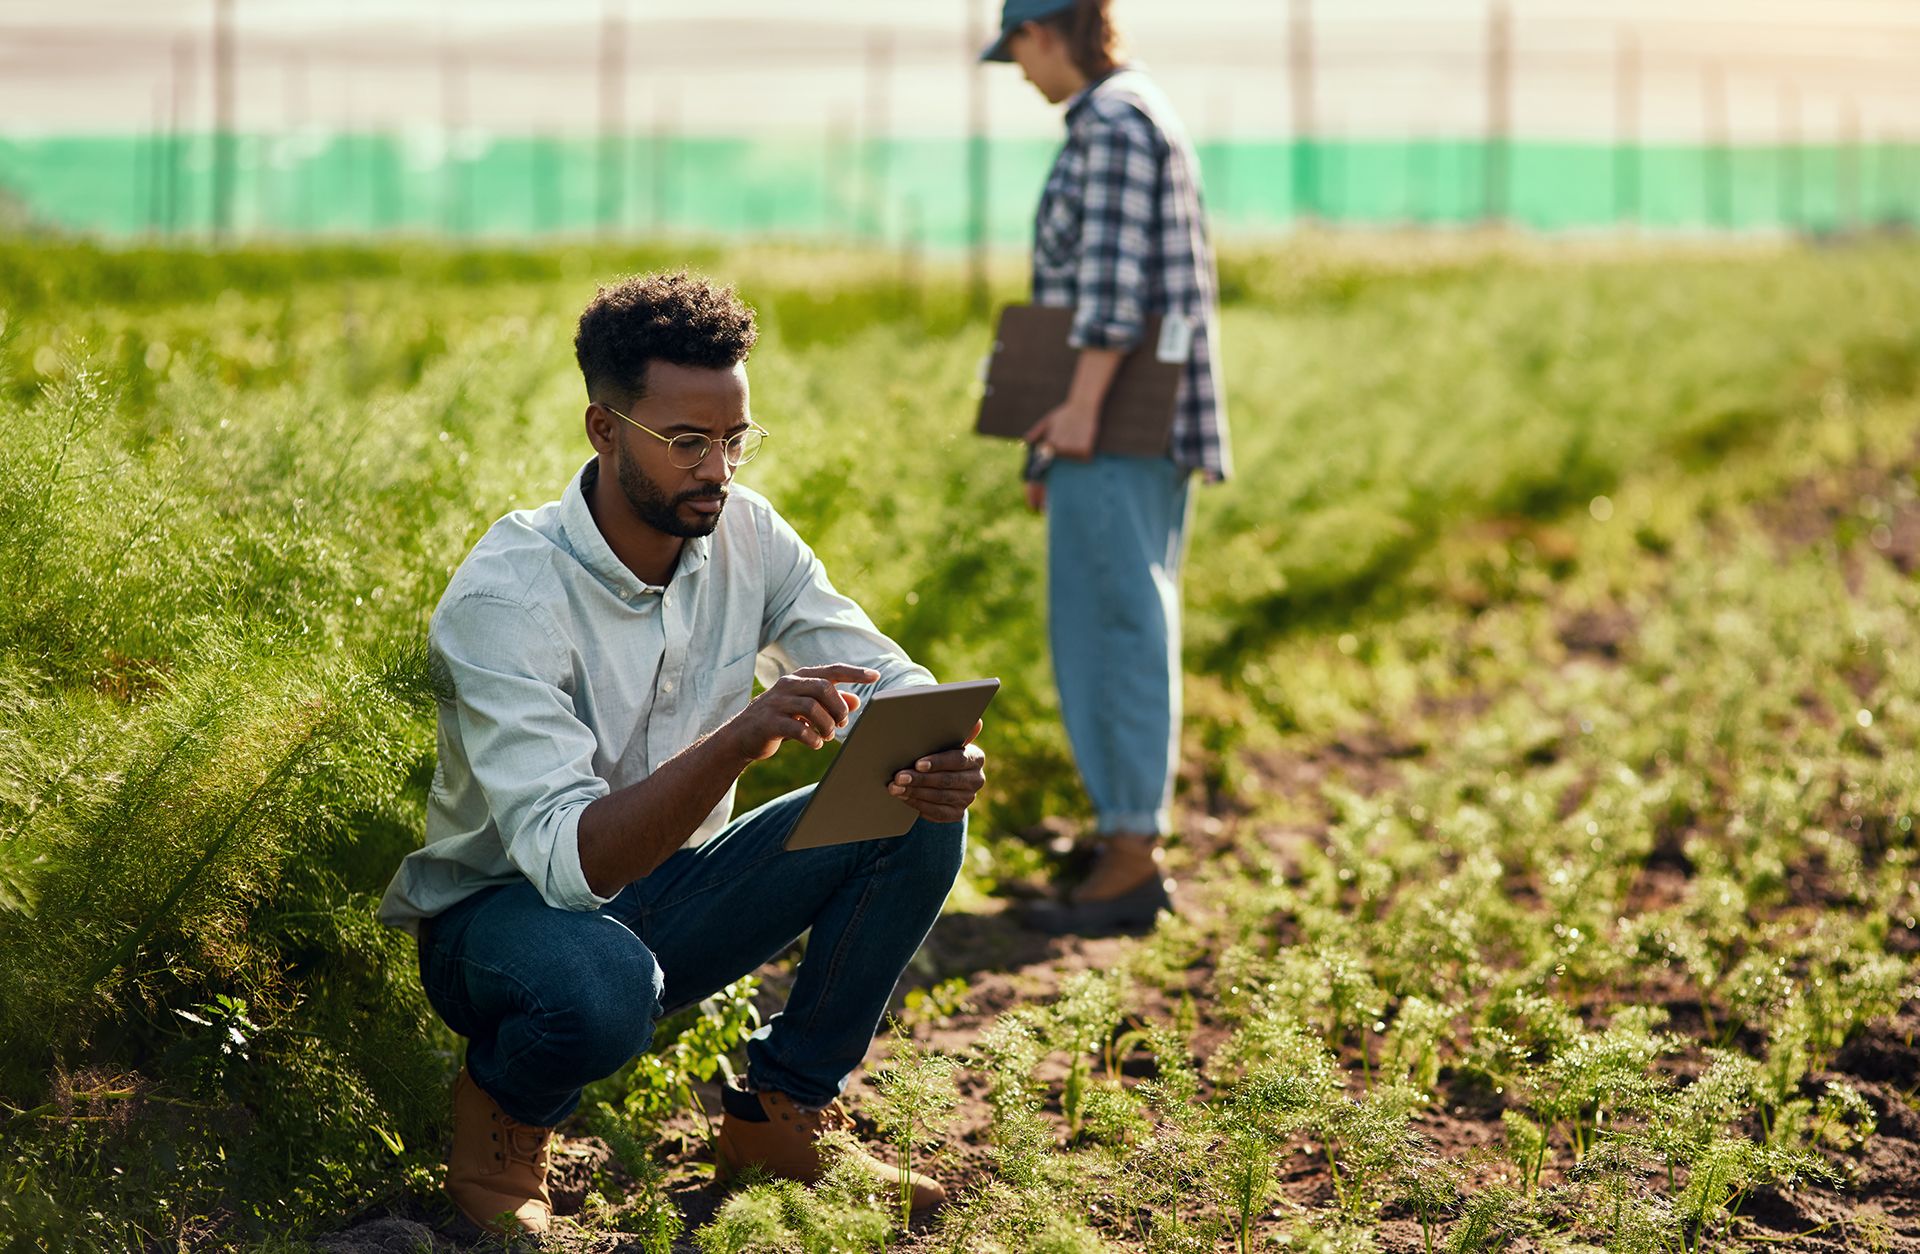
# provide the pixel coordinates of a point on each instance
(911, 191)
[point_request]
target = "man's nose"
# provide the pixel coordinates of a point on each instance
(713, 468)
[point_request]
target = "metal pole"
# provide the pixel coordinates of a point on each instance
(1499, 111)
(1216, 167)
(1847, 163)
(1716, 160)
(224, 139)
(1792, 157)
(1305, 157)
(454, 210)
(1626, 148)
(176, 132)
(879, 126)
(979, 291)
(666, 117)
(294, 73)
(611, 171)
(157, 163)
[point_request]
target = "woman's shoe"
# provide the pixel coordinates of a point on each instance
(1125, 889)
(1136, 909)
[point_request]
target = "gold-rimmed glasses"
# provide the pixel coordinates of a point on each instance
(689, 449)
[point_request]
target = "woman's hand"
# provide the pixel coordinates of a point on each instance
(1069, 428)
(1072, 427)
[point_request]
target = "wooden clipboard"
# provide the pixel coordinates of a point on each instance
(1031, 368)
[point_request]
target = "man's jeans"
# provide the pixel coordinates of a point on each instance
(1116, 533)
(550, 1000)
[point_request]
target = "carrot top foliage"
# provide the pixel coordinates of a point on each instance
(1645, 814)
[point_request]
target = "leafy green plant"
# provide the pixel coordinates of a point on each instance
(1614, 711)
(693, 1046)
(784, 1217)
(1426, 1184)
(916, 1098)
(1488, 1220)
(1082, 1022)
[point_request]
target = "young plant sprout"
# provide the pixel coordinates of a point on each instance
(916, 1099)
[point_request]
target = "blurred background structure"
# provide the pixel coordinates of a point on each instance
(868, 121)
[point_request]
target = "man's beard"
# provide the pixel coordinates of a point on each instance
(659, 511)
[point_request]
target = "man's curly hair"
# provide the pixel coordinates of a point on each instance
(678, 318)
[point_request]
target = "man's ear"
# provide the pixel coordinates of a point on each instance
(600, 431)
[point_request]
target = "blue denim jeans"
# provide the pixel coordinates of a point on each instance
(550, 1000)
(1116, 533)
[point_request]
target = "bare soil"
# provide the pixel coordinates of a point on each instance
(1873, 513)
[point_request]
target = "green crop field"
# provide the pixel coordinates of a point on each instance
(1548, 874)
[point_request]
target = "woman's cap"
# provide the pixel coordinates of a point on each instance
(1013, 15)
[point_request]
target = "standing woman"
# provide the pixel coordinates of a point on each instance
(1119, 235)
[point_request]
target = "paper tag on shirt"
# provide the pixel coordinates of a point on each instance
(1176, 338)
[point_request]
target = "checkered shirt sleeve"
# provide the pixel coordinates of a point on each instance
(1121, 234)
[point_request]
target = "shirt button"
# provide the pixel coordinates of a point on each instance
(668, 600)
(668, 686)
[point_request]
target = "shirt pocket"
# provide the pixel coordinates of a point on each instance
(724, 690)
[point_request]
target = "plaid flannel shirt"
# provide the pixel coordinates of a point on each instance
(1120, 234)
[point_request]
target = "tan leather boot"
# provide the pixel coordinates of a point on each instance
(497, 1168)
(787, 1146)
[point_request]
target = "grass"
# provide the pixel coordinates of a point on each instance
(1551, 696)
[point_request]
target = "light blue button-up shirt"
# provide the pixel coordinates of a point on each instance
(571, 678)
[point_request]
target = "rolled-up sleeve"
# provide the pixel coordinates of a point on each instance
(528, 750)
(1116, 242)
(809, 623)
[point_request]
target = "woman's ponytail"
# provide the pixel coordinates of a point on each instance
(1093, 41)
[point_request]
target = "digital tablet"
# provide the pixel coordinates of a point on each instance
(894, 730)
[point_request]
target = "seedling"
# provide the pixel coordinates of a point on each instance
(916, 1102)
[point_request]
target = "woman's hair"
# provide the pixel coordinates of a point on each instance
(1093, 41)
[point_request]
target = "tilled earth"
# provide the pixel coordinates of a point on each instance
(1875, 1204)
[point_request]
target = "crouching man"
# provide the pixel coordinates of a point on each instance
(580, 878)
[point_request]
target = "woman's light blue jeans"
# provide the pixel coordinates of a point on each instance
(1116, 533)
(551, 1000)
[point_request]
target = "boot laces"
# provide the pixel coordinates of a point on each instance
(524, 1143)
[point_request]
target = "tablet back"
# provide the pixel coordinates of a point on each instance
(895, 730)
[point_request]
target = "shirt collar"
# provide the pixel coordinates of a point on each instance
(591, 550)
(1079, 98)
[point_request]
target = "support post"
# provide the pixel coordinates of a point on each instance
(879, 128)
(225, 142)
(1792, 158)
(979, 290)
(610, 171)
(1494, 194)
(666, 122)
(297, 185)
(456, 209)
(1626, 143)
(1305, 156)
(1716, 157)
(176, 201)
(1847, 167)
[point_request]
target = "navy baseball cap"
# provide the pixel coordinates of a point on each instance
(1017, 13)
